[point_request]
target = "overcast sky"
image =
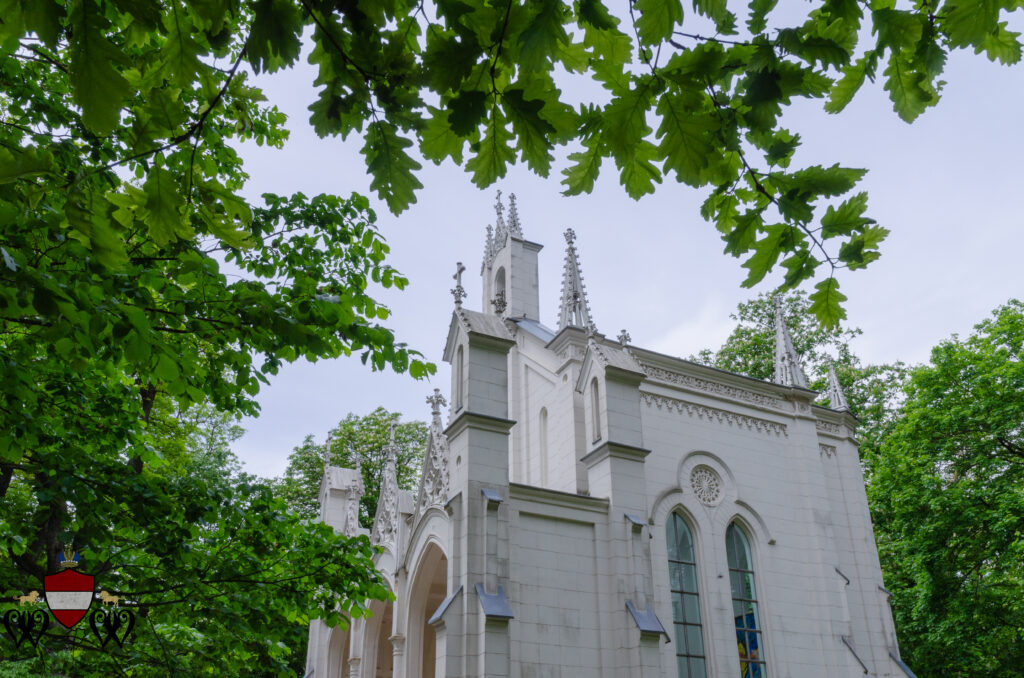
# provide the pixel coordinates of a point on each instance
(949, 187)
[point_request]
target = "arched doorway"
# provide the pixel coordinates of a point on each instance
(338, 652)
(428, 591)
(379, 649)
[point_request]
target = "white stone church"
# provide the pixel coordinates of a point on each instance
(596, 509)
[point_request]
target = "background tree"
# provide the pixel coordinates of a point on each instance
(355, 437)
(223, 575)
(873, 392)
(948, 505)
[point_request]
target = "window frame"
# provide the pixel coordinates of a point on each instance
(682, 593)
(750, 667)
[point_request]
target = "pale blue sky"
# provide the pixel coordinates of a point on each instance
(949, 187)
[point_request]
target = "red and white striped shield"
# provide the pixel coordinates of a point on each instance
(69, 595)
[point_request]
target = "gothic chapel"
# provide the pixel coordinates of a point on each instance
(593, 509)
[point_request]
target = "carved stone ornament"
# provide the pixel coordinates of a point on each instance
(706, 484)
(435, 478)
(827, 450)
(828, 427)
(715, 388)
(715, 414)
(385, 523)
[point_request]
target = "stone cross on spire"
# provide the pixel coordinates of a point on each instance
(459, 292)
(514, 227)
(436, 402)
(836, 397)
(573, 308)
(788, 370)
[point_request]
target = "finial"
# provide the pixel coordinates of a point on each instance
(788, 370)
(500, 230)
(624, 338)
(327, 454)
(394, 427)
(488, 250)
(436, 402)
(458, 291)
(514, 226)
(573, 308)
(836, 397)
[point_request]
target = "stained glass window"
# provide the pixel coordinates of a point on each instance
(749, 637)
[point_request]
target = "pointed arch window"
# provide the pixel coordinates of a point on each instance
(595, 406)
(749, 636)
(691, 661)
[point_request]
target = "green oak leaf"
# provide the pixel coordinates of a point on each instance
(98, 87)
(391, 166)
(826, 303)
(162, 211)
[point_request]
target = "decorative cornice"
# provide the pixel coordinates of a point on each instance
(716, 388)
(616, 451)
(829, 428)
(714, 414)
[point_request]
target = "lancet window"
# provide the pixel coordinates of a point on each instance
(749, 635)
(682, 572)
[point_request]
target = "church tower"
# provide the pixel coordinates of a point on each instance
(509, 268)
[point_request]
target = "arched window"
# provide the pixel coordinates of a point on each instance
(543, 426)
(682, 575)
(499, 282)
(459, 376)
(749, 637)
(595, 402)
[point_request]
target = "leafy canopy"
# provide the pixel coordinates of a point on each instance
(355, 437)
(156, 89)
(948, 505)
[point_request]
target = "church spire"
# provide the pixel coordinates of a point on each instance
(574, 308)
(788, 370)
(836, 397)
(514, 227)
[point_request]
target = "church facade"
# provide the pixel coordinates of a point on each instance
(595, 509)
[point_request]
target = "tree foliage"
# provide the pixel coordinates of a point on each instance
(100, 91)
(355, 437)
(948, 504)
(222, 575)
